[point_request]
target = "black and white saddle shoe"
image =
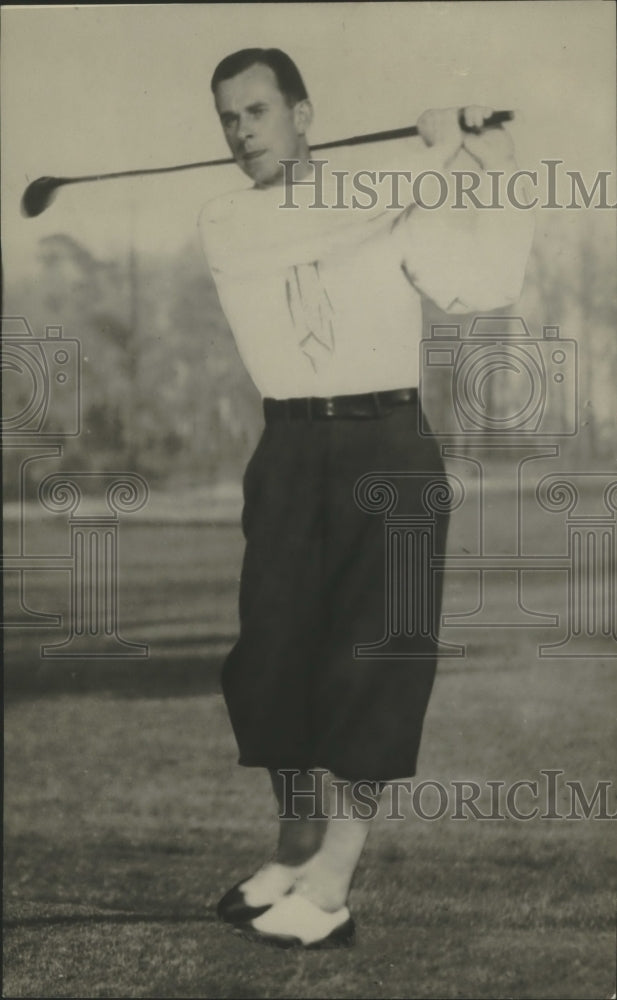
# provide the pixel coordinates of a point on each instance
(253, 896)
(295, 921)
(234, 909)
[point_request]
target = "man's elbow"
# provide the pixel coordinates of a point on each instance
(510, 288)
(507, 295)
(500, 268)
(497, 294)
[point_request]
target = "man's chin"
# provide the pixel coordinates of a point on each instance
(263, 174)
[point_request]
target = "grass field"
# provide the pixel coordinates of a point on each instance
(126, 816)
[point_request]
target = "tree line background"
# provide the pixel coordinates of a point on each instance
(164, 393)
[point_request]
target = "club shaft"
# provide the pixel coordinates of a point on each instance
(497, 118)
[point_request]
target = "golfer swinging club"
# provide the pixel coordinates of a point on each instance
(325, 308)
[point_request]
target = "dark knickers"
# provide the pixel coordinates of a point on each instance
(313, 587)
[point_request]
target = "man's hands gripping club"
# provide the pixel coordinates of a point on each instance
(448, 130)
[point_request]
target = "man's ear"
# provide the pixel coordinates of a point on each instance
(303, 116)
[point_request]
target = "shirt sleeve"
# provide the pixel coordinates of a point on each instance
(465, 260)
(250, 234)
(212, 226)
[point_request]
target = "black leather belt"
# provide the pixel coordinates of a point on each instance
(361, 406)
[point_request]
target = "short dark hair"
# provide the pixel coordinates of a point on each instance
(287, 74)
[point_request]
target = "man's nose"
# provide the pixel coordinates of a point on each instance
(245, 129)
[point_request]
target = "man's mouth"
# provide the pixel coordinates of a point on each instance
(253, 154)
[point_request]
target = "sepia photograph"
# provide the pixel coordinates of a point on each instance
(309, 423)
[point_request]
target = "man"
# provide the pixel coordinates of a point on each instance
(325, 308)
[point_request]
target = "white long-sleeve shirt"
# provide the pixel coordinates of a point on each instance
(326, 301)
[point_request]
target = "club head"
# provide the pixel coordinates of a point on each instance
(39, 194)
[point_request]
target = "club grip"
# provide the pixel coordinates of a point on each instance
(494, 121)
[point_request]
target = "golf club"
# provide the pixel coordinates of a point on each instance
(40, 193)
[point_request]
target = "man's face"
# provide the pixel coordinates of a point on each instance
(259, 125)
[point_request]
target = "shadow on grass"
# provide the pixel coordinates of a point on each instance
(168, 673)
(111, 918)
(154, 677)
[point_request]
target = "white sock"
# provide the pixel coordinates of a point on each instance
(270, 883)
